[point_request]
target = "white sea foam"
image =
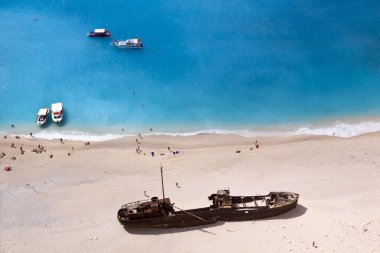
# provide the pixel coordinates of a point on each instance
(338, 129)
(341, 129)
(74, 136)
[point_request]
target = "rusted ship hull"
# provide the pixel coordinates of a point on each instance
(253, 213)
(202, 216)
(160, 213)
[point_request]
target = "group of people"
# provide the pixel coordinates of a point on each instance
(139, 150)
(251, 148)
(39, 150)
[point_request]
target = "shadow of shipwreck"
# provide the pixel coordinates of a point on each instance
(296, 212)
(158, 231)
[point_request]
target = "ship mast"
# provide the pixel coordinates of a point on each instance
(162, 183)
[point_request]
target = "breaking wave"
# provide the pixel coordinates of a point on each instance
(338, 129)
(75, 136)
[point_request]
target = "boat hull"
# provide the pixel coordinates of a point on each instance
(57, 120)
(99, 35)
(128, 44)
(130, 47)
(237, 210)
(180, 219)
(210, 215)
(254, 213)
(40, 123)
(42, 116)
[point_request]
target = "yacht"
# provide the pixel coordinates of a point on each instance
(57, 112)
(129, 43)
(42, 116)
(99, 33)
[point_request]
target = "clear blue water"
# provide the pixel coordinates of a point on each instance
(205, 65)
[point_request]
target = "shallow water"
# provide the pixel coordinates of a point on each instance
(228, 65)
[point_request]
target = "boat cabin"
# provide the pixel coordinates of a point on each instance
(149, 209)
(99, 30)
(99, 33)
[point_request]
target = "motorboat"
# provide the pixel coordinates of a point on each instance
(129, 43)
(57, 112)
(99, 33)
(42, 116)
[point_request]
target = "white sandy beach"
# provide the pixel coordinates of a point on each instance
(69, 203)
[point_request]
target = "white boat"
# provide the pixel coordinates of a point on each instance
(129, 43)
(99, 33)
(42, 116)
(57, 112)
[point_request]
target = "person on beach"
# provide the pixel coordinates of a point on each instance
(61, 140)
(31, 134)
(137, 141)
(41, 148)
(140, 136)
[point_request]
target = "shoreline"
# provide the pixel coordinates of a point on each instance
(347, 128)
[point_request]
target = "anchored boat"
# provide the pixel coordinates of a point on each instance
(57, 112)
(129, 43)
(42, 116)
(99, 33)
(161, 213)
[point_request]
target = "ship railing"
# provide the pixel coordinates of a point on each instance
(137, 202)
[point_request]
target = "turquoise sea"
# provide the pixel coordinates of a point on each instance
(246, 67)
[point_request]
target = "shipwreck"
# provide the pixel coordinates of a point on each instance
(161, 213)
